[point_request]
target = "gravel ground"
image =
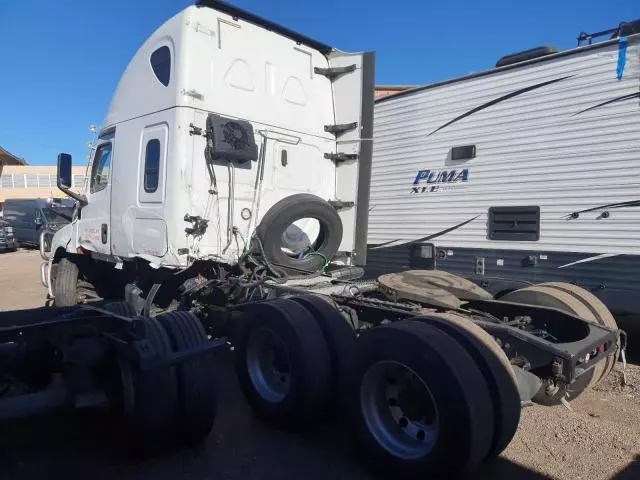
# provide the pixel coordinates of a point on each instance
(20, 285)
(598, 439)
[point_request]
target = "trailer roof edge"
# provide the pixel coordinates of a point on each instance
(563, 53)
(267, 24)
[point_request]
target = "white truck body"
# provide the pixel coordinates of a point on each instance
(559, 134)
(148, 169)
(227, 131)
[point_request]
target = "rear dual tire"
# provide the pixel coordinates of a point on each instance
(577, 301)
(168, 405)
(315, 340)
(496, 370)
(341, 341)
(450, 405)
(283, 363)
(197, 399)
(441, 422)
(150, 419)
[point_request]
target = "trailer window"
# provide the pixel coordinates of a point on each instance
(101, 168)
(152, 165)
(161, 64)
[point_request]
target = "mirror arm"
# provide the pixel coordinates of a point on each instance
(64, 162)
(76, 196)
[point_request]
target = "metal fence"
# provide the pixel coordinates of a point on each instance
(36, 180)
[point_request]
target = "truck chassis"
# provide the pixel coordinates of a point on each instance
(304, 346)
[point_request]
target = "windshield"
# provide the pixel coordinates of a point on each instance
(58, 214)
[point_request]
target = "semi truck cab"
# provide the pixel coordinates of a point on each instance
(219, 116)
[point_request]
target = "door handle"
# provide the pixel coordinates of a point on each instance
(104, 231)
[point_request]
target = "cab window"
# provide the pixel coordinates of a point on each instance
(161, 65)
(152, 165)
(101, 168)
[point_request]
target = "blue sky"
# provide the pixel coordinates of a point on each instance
(61, 60)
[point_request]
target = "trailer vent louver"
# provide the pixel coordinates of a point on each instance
(514, 223)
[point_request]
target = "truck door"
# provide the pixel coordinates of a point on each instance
(93, 228)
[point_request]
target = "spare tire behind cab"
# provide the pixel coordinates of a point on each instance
(290, 209)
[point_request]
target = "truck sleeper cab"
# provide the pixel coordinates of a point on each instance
(157, 168)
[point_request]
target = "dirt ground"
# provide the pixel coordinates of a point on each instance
(598, 439)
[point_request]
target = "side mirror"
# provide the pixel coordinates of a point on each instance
(64, 171)
(64, 177)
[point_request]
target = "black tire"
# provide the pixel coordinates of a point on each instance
(281, 215)
(151, 424)
(496, 369)
(601, 314)
(65, 285)
(305, 385)
(340, 337)
(120, 308)
(550, 297)
(456, 386)
(197, 399)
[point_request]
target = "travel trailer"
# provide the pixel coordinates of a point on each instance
(525, 173)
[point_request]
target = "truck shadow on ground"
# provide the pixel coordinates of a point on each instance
(631, 472)
(85, 445)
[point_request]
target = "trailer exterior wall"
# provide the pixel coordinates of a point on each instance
(560, 133)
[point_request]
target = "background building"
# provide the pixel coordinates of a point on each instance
(386, 90)
(19, 180)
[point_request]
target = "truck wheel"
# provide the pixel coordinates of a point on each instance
(495, 367)
(599, 311)
(340, 337)
(152, 418)
(418, 402)
(197, 398)
(65, 284)
(282, 363)
(551, 297)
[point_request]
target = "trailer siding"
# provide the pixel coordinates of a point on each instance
(561, 134)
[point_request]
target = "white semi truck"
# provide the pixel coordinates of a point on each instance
(228, 205)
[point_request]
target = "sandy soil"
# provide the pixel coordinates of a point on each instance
(598, 439)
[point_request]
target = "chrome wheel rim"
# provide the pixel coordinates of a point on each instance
(268, 365)
(399, 410)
